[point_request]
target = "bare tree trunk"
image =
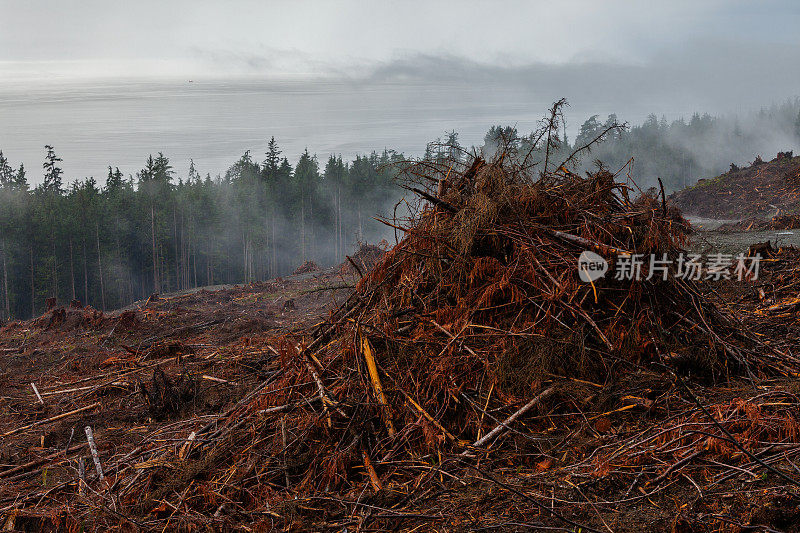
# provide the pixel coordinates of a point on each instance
(211, 280)
(33, 287)
(162, 265)
(184, 256)
(208, 262)
(335, 224)
(177, 251)
(155, 256)
(182, 249)
(339, 244)
(342, 246)
(311, 250)
(55, 263)
(244, 257)
(194, 263)
(100, 268)
(121, 296)
(184, 284)
(274, 247)
(5, 283)
(303, 230)
(71, 268)
(85, 274)
(267, 247)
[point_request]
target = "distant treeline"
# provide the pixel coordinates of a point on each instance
(159, 231)
(155, 232)
(679, 152)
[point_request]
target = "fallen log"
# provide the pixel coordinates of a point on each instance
(51, 419)
(37, 462)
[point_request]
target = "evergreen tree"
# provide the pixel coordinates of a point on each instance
(272, 161)
(797, 127)
(7, 174)
(193, 176)
(589, 130)
(52, 172)
(500, 138)
(155, 182)
(306, 175)
(20, 181)
(454, 149)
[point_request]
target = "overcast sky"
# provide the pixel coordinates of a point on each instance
(112, 38)
(498, 60)
(721, 56)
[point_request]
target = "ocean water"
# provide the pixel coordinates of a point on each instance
(94, 125)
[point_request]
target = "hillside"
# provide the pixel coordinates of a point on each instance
(759, 190)
(144, 374)
(434, 391)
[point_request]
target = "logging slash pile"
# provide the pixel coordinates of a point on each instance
(474, 322)
(306, 267)
(365, 258)
(472, 371)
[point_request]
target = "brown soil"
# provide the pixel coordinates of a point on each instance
(757, 191)
(170, 362)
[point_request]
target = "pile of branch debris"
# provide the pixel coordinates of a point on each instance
(476, 321)
(778, 290)
(306, 267)
(365, 258)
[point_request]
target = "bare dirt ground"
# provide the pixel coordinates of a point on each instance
(173, 361)
(759, 190)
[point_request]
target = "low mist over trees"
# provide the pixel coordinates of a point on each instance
(679, 152)
(682, 151)
(165, 229)
(161, 231)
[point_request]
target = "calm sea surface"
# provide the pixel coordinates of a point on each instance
(93, 125)
(119, 124)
